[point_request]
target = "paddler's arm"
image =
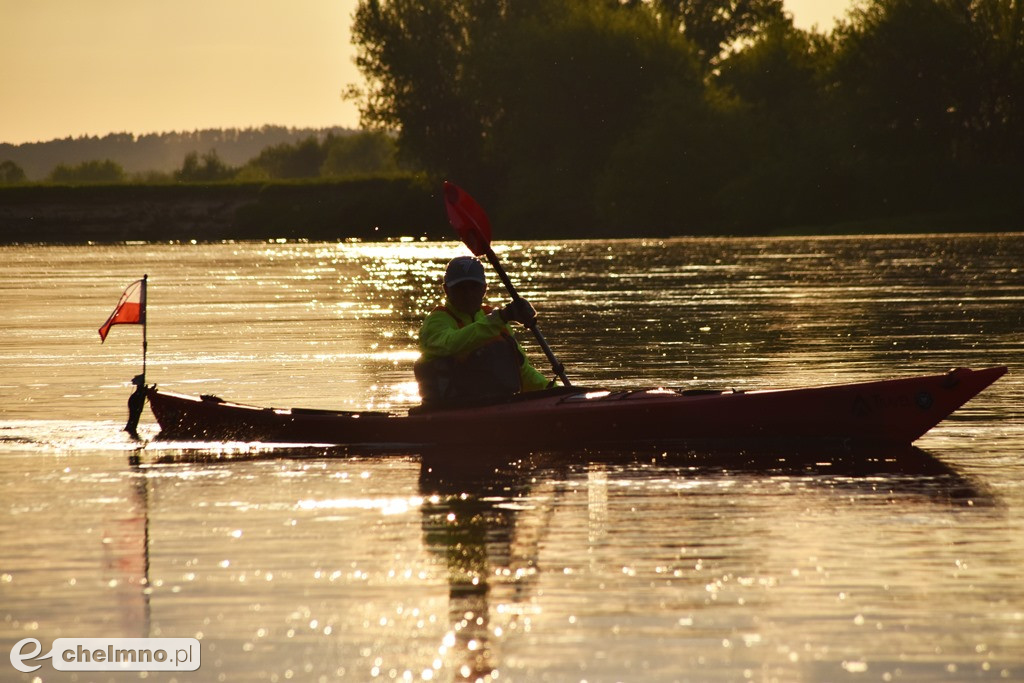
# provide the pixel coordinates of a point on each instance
(441, 336)
(530, 377)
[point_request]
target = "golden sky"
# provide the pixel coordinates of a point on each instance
(92, 67)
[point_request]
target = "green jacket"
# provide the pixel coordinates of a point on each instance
(441, 337)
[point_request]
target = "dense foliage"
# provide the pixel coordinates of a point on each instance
(104, 171)
(336, 156)
(11, 173)
(702, 115)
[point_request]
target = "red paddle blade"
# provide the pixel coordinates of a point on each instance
(468, 219)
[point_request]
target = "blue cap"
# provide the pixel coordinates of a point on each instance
(463, 268)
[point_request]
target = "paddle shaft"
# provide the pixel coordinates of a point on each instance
(556, 366)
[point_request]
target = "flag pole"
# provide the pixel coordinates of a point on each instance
(130, 310)
(145, 325)
(137, 401)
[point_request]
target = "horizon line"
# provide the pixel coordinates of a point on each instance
(136, 136)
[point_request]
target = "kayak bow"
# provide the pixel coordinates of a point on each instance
(893, 412)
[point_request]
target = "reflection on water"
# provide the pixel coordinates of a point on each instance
(334, 564)
(544, 566)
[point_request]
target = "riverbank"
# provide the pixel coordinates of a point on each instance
(369, 209)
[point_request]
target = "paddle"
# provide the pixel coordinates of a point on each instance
(474, 228)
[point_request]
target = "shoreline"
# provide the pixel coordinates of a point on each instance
(371, 209)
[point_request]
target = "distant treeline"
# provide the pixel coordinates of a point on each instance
(254, 154)
(588, 117)
(354, 154)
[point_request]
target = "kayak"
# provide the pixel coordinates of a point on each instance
(885, 413)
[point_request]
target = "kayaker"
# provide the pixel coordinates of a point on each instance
(467, 350)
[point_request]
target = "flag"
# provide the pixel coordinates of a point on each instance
(130, 310)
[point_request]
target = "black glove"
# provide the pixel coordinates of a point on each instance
(520, 311)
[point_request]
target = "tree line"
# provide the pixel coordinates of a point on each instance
(371, 153)
(676, 116)
(268, 153)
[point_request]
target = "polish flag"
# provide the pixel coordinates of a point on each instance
(130, 310)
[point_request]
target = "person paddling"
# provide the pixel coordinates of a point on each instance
(467, 348)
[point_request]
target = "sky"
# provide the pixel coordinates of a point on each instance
(92, 67)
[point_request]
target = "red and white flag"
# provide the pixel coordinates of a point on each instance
(130, 310)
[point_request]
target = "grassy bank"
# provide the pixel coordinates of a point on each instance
(372, 208)
(982, 219)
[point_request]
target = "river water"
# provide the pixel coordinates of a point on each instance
(321, 565)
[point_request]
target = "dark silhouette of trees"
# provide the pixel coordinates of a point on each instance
(585, 81)
(155, 152)
(300, 160)
(336, 156)
(360, 154)
(713, 26)
(527, 95)
(593, 116)
(936, 80)
(88, 172)
(208, 169)
(333, 153)
(11, 173)
(415, 53)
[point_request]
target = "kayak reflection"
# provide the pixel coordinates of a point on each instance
(906, 469)
(487, 523)
(500, 531)
(475, 523)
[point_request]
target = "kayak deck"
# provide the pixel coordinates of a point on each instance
(892, 412)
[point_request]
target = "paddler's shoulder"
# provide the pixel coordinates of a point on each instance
(445, 315)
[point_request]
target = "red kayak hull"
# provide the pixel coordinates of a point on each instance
(893, 412)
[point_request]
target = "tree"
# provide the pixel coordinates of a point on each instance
(790, 150)
(570, 86)
(528, 96)
(287, 161)
(716, 25)
(370, 153)
(89, 172)
(998, 26)
(699, 114)
(931, 91)
(412, 53)
(208, 169)
(11, 173)
(665, 175)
